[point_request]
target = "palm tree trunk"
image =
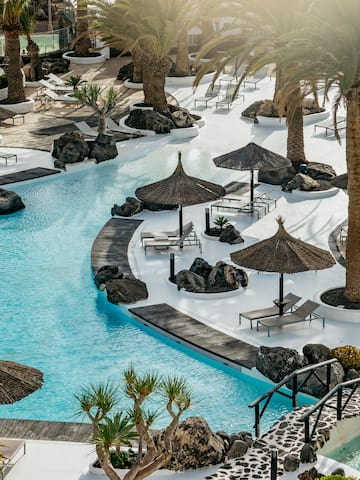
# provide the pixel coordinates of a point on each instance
(102, 124)
(82, 42)
(36, 71)
(182, 55)
(352, 288)
(16, 91)
(278, 83)
(295, 137)
(154, 77)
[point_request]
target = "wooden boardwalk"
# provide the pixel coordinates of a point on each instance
(188, 331)
(111, 245)
(29, 174)
(44, 430)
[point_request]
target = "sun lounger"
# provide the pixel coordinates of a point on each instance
(255, 79)
(211, 93)
(301, 314)
(56, 88)
(329, 125)
(232, 94)
(59, 98)
(55, 79)
(252, 315)
(172, 234)
(11, 450)
(86, 129)
(165, 242)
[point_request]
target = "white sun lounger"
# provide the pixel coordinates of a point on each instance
(59, 98)
(86, 129)
(55, 88)
(57, 80)
(329, 125)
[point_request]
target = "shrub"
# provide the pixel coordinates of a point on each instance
(348, 356)
(334, 477)
(3, 81)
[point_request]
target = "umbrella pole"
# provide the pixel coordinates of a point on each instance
(181, 230)
(281, 294)
(251, 187)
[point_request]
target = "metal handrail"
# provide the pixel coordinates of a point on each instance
(310, 369)
(338, 390)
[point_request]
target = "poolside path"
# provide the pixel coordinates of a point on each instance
(189, 331)
(44, 430)
(28, 174)
(111, 245)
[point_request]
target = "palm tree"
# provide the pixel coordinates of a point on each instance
(97, 403)
(82, 43)
(102, 104)
(251, 41)
(10, 23)
(149, 40)
(327, 48)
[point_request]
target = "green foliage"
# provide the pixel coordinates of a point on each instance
(111, 431)
(3, 80)
(221, 222)
(75, 81)
(334, 477)
(348, 356)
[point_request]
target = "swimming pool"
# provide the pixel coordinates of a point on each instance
(53, 318)
(348, 454)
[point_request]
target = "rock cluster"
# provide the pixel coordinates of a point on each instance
(278, 362)
(72, 148)
(120, 288)
(318, 176)
(160, 121)
(195, 445)
(10, 202)
(130, 207)
(205, 278)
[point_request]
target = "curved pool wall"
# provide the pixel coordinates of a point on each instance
(54, 319)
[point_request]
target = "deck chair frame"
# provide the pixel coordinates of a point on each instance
(252, 315)
(304, 312)
(211, 93)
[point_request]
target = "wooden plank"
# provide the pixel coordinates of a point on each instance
(45, 430)
(111, 245)
(212, 342)
(29, 174)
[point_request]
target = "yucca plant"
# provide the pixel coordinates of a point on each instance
(113, 431)
(103, 104)
(75, 81)
(221, 222)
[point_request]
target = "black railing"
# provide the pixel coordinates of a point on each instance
(343, 391)
(296, 388)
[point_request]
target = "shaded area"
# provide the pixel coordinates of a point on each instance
(29, 174)
(336, 298)
(111, 244)
(211, 342)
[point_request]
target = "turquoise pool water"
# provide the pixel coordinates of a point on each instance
(349, 454)
(53, 318)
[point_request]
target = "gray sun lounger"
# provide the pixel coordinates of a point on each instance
(232, 94)
(187, 228)
(301, 314)
(252, 315)
(211, 93)
(329, 125)
(188, 238)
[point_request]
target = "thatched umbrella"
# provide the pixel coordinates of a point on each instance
(17, 381)
(180, 189)
(251, 157)
(283, 253)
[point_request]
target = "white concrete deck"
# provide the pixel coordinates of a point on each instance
(312, 220)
